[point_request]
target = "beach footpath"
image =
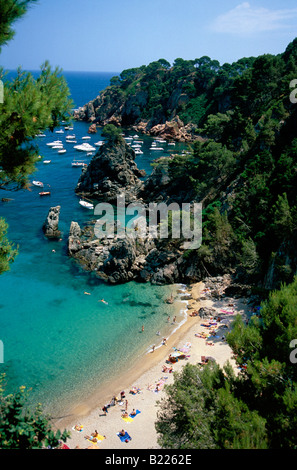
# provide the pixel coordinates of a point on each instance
(127, 420)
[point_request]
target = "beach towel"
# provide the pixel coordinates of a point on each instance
(95, 440)
(125, 438)
(128, 419)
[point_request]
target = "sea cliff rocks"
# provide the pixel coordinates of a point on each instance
(51, 224)
(111, 171)
(142, 257)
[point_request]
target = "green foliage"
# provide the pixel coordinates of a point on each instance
(10, 11)
(112, 134)
(30, 106)
(21, 428)
(200, 411)
(7, 250)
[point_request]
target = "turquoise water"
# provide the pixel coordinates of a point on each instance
(58, 340)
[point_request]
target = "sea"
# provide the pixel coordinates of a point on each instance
(57, 338)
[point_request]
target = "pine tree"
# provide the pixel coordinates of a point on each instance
(29, 107)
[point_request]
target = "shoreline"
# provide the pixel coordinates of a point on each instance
(140, 366)
(144, 374)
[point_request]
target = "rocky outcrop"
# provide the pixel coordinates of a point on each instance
(111, 172)
(174, 130)
(51, 224)
(92, 129)
(114, 107)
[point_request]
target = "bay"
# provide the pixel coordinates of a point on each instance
(58, 338)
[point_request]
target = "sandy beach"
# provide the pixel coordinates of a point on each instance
(149, 379)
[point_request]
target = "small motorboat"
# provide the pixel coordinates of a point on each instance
(38, 183)
(78, 163)
(44, 193)
(62, 151)
(46, 161)
(86, 204)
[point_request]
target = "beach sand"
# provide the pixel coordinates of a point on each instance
(146, 374)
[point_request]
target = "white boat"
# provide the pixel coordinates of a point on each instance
(87, 137)
(86, 204)
(40, 135)
(99, 143)
(78, 163)
(156, 148)
(38, 183)
(46, 161)
(60, 131)
(56, 142)
(84, 147)
(138, 152)
(62, 151)
(70, 136)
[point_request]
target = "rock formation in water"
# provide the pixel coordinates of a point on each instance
(111, 172)
(51, 224)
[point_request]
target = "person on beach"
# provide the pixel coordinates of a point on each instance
(105, 410)
(174, 319)
(153, 348)
(164, 342)
(122, 432)
(133, 412)
(168, 319)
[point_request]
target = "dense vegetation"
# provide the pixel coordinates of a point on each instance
(191, 89)
(245, 173)
(209, 407)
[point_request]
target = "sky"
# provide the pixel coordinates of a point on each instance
(114, 35)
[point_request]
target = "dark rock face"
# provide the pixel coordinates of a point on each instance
(51, 224)
(111, 171)
(142, 257)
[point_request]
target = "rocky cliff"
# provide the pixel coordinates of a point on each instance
(110, 172)
(141, 257)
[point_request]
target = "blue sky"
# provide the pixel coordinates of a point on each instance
(113, 35)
